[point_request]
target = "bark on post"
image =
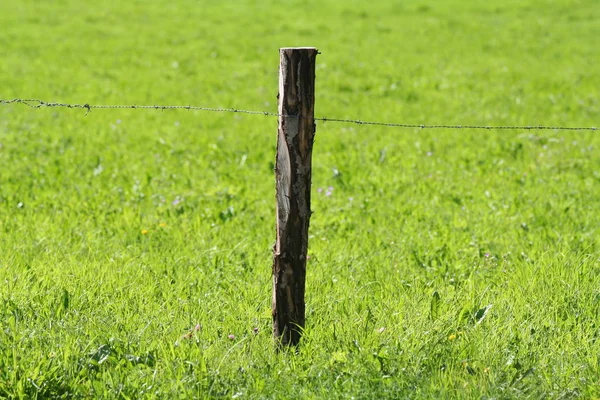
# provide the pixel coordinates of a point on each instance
(293, 180)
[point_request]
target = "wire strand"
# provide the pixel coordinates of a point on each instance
(35, 103)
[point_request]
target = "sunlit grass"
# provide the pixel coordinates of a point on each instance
(136, 245)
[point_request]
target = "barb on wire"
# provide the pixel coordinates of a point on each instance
(35, 103)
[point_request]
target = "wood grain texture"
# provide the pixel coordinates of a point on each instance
(293, 183)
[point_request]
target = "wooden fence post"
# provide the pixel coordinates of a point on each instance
(293, 180)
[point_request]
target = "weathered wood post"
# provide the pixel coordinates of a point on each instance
(295, 138)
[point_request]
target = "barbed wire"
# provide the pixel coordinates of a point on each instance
(35, 103)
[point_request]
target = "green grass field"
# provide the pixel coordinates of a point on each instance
(136, 245)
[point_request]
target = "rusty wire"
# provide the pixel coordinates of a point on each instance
(35, 103)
